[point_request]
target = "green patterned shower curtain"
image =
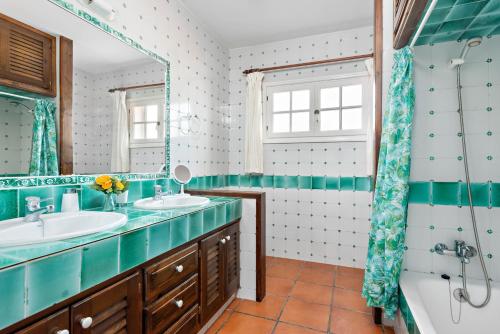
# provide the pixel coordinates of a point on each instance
(44, 145)
(388, 227)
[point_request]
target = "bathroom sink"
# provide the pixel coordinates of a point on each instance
(58, 226)
(171, 202)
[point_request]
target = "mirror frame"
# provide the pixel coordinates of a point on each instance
(33, 181)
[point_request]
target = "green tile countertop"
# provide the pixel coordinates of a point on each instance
(35, 277)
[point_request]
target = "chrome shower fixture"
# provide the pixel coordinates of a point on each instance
(476, 41)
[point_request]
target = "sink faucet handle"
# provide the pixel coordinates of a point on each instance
(33, 203)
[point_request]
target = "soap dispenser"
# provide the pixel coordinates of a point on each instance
(70, 201)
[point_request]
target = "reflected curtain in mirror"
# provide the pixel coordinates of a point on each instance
(120, 156)
(44, 145)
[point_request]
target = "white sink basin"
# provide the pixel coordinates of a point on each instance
(171, 202)
(58, 226)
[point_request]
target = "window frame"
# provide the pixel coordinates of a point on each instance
(315, 85)
(144, 101)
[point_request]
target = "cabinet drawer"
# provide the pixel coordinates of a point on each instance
(165, 311)
(50, 325)
(170, 272)
(188, 324)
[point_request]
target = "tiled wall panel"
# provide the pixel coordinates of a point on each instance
(437, 156)
(322, 226)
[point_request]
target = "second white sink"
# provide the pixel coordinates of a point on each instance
(171, 202)
(58, 226)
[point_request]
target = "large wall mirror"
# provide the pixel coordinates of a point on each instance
(110, 99)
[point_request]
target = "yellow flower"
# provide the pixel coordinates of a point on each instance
(101, 180)
(119, 185)
(107, 185)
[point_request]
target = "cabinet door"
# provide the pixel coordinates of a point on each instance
(212, 275)
(232, 265)
(27, 57)
(116, 309)
(54, 324)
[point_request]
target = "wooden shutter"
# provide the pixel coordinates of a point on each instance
(27, 58)
(212, 276)
(232, 259)
(116, 309)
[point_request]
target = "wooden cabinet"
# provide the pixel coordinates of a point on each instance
(57, 323)
(116, 309)
(219, 270)
(27, 58)
(182, 291)
(406, 15)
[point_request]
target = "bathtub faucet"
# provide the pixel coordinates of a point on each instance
(463, 251)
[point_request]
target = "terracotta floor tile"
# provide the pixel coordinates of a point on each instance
(288, 262)
(283, 328)
(351, 282)
(312, 293)
(349, 299)
(320, 266)
(240, 323)
(283, 271)
(388, 330)
(269, 308)
(219, 322)
(279, 286)
(350, 271)
(317, 276)
(349, 322)
(234, 304)
(314, 316)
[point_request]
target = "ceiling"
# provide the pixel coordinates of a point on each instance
(453, 20)
(94, 50)
(238, 23)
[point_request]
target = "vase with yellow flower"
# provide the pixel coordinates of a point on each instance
(110, 186)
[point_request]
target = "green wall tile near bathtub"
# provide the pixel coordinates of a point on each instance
(52, 279)
(97, 268)
(12, 295)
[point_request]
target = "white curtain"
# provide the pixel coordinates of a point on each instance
(370, 136)
(120, 156)
(253, 130)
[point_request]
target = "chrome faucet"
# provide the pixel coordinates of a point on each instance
(34, 210)
(463, 251)
(159, 193)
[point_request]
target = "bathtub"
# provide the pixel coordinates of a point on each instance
(425, 308)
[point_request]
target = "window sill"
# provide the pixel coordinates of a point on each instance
(330, 139)
(146, 145)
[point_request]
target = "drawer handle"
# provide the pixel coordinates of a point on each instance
(86, 322)
(223, 241)
(179, 268)
(179, 303)
(228, 237)
(62, 331)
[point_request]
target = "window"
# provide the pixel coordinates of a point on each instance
(321, 110)
(146, 117)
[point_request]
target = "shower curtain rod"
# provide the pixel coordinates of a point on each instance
(137, 87)
(311, 63)
(423, 23)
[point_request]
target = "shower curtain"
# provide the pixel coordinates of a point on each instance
(44, 143)
(388, 227)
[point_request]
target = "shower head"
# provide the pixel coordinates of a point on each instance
(470, 43)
